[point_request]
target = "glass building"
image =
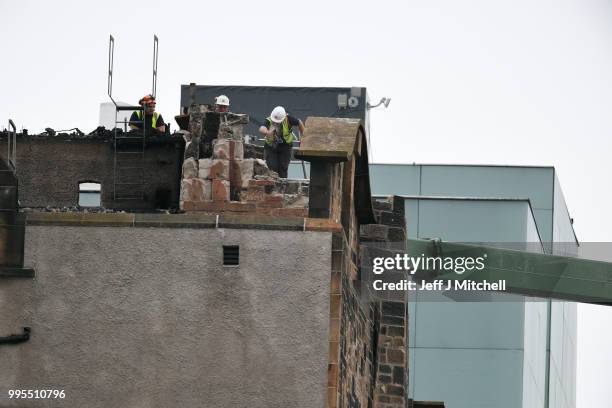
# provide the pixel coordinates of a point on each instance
(497, 353)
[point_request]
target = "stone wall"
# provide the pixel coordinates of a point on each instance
(392, 352)
(368, 337)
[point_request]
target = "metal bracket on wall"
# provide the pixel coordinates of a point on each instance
(17, 338)
(16, 272)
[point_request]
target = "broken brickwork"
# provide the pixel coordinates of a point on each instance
(205, 126)
(227, 180)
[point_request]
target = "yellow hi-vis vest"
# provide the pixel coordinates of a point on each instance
(287, 133)
(153, 119)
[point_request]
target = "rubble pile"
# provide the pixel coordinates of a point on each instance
(86, 210)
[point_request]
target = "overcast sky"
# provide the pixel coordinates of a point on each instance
(493, 82)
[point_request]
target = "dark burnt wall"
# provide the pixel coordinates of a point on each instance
(50, 168)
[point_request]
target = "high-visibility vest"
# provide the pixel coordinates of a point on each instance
(287, 133)
(153, 119)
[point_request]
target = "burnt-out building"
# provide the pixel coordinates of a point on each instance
(246, 294)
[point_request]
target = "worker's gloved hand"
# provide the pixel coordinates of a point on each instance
(271, 135)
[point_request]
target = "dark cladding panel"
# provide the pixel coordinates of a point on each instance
(258, 101)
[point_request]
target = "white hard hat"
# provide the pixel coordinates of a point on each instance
(278, 114)
(222, 100)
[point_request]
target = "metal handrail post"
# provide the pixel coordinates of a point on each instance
(111, 57)
(12, 145)
(155, 56)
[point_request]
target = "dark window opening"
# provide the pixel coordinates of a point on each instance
(90, 194)
(231, 255)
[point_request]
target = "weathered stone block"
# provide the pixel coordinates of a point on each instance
(196, 118)
(192, 149)
(394, 390)
(398, 375)
(220, 190)
(393, 309)
(393, 320)
(396, 234)
(220, 169)
(396, 357)
(374, 232)
(261, 182)
(190, 168)
(291, 187)
(260, 168)
(256, 193)
(235, 206)
(221, 149)
(392, 218)
(236, 150)
(290, 212)
(241, 171)
(252, 151)
(381, 204)
(195, 189)
(399, 205)
(204, 166)
(231, 125)
(271, 201)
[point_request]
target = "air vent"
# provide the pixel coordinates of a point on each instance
(231, 255)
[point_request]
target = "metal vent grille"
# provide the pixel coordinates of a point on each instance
(231, 255)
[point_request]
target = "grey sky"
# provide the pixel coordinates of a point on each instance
(500, 82)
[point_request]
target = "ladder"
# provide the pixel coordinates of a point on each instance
(129, 181)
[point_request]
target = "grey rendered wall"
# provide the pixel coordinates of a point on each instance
(149, 317)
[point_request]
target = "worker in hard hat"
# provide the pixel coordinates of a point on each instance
(278, 131)
(222, 104)
(152, 120)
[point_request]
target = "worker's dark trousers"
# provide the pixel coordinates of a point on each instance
(278, 158)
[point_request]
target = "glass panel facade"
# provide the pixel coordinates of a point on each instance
(494, 354)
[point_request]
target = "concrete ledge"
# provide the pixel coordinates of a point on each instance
(322, 224)
(187, 220)
(261, 222)
(81, 219)
(175, 220)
